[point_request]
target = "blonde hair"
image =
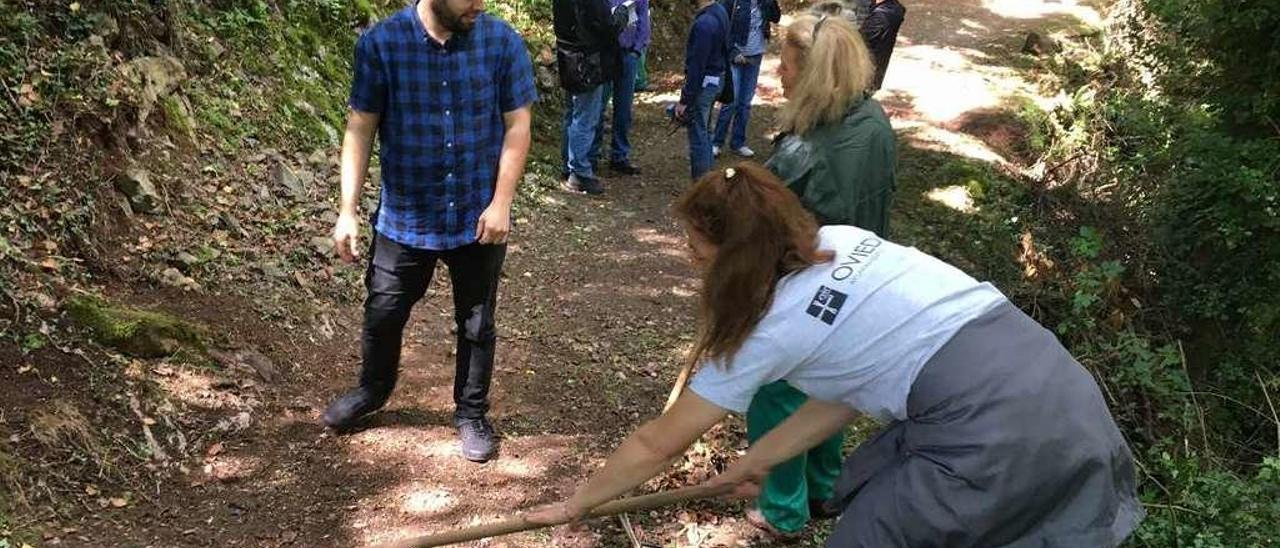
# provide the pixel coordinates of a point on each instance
(834, 72)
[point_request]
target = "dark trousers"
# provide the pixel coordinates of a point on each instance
(397, 278)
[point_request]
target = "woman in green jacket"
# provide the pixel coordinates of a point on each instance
(837, 153)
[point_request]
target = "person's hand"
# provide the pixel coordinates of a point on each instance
(680, 112)
(346, 237)
(494, 225)
(740, 59)
(555, 514)
(742, 481)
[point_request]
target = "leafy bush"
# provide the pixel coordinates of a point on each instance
(1223, 53)
(1165, 157)
(1205, 506)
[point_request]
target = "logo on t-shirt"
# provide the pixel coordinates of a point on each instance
(826, 304)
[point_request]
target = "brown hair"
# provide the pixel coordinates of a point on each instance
(763, 234)
(834, 73)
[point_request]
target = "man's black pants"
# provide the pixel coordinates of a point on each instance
(397, 278)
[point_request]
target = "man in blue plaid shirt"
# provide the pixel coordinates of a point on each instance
(447, 89)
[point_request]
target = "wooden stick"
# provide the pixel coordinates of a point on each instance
(681, 380)
(1204, 430)
(678, 388)
(642, 503)
(1274, 416)
(625, 520)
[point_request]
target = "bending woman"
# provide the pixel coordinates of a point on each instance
(999, 438)
(837, 152)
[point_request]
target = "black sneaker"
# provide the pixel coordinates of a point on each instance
(624, 167)
(589, 185)
(346, 410)
(477, 439)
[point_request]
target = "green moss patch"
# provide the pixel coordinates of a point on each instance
(138, 333)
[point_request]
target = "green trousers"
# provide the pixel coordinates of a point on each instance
(784, 497)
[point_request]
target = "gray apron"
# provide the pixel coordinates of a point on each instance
(1008, 443)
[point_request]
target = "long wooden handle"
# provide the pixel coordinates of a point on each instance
(678, 388)
(642, 503)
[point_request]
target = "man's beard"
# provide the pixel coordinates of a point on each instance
(452, 21)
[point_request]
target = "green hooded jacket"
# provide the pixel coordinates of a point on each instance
(843, 172)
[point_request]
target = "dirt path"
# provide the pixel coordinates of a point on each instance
(596, 305)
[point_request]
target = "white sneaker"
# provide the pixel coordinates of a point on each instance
(715, 151)
(744, 152)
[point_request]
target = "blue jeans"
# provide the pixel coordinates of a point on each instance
(606, 92)
(622, 91)
(581, 115)
(623, 96)
(739, 113)
(698, 114)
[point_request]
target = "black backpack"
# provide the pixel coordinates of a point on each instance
(582, 62)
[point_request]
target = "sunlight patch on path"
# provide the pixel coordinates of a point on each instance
(1024, 9)
(437, 490)
(661, 99)
(955, 197)
(959, 57)
(768, 86)
(425, 501)
(931, 137)
(946, 82)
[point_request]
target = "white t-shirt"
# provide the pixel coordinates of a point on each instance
(855, 330)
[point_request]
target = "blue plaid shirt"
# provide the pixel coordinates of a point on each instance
(441, 127)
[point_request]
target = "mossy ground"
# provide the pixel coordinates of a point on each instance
(137, 333)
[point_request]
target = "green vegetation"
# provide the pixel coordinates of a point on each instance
(1149, 237)
(1152, 243)
(189, 92)
(250, 77)
(247, 75)
(1150, 240)
(138, 333)
(9, 537)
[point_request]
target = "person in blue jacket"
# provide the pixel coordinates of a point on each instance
(749, 32)
(705, 60)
